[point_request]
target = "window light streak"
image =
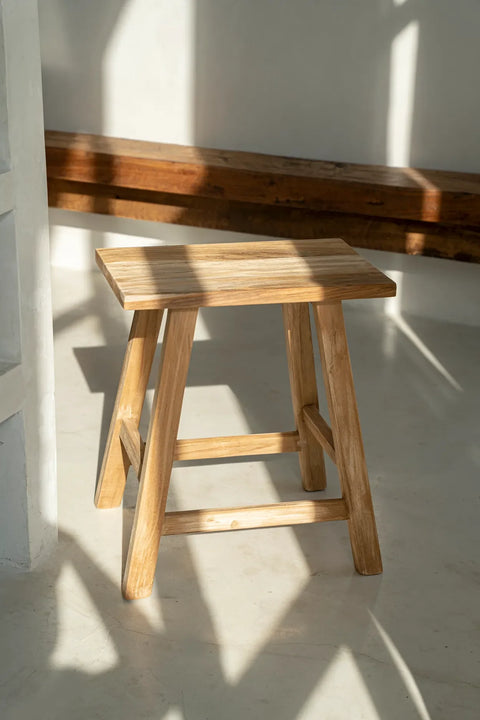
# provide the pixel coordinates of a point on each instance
(422, 181)
(393, 310)
(403, 63)
(409, 333)
(432, 198)
(403, 670)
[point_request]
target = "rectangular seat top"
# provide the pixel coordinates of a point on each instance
(243, 273)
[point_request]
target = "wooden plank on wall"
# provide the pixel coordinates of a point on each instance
(430, 196)
(415, 238)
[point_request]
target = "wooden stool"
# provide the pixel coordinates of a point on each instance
(183, 278)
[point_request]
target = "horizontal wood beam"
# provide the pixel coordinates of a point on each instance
(258, 516)
(377, 191)
(413, 238)
(236, 446)
(399, 209)
(320, 430)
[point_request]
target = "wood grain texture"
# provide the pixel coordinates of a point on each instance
(303, 388)
(133, 444)
(236, 446)
(245, 273)
(350, 457)
(320, 430)
(131, 391)
(452, 242)
(159, 453)
(211, 447)
(259, 516)
(378, 191)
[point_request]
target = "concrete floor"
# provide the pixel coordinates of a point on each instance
(268, 623)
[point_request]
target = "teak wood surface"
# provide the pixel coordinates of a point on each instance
(210, 447)
(280, 271)
(237, 446)
(412, 194)
(159, 453)
(298, 512)
(435, 239)
(320, 430)
(419, 212)
(248, 273)
(303, 387)
(128, 404)
(347, 437)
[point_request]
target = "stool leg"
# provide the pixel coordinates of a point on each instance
(303, 385)
(131, 391)
(347, 437)
(159, 452)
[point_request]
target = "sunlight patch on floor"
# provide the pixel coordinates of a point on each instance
(79, 628)
(341, 673)
(269, 583)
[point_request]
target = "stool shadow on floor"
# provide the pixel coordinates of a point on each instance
(155, 671)
(333, 608)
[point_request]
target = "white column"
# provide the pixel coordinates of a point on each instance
(28, 506)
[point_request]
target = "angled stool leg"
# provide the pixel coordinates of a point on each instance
(347, 437)
(131, 391)
(303, 385)
(159, 452)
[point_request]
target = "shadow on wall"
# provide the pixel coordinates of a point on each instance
(382, 82)
(305, 79)
(74, 37)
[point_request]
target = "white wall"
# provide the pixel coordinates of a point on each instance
(377, 81)
(28, 508)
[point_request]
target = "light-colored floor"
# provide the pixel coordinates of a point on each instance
(268, 623)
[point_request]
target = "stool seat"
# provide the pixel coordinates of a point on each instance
(246, 273)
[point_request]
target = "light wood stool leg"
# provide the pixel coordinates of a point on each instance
(347, 437)
(159, 453)
(303, 384)
(131, 391)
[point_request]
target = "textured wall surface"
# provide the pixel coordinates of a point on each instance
(381, 81)
(28, 510)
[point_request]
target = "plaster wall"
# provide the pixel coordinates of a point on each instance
(381, 81)
(28, 509)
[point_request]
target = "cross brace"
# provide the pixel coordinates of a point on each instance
(241, 518)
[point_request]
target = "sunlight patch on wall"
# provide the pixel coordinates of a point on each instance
(403, 64)
(133, 105)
